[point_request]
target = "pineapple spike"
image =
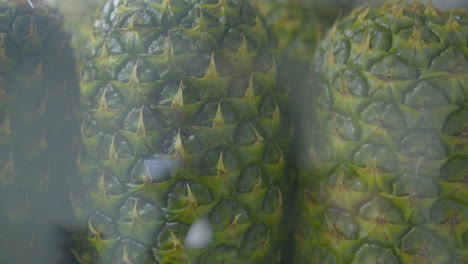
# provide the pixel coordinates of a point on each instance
(178, 100)
(148, 177)
(82, 130)
(258, 185)
(202, 26)
(280, 151)
(134, 81)
(176, 242)
(218, 120)
(242, 51)
(259, 138)
(220, 168)
(113, 154)
(179, 147)
(363, 14)
(96, 234)
(452, 24)
(135, 212)
(223, 5)
(280, 195)
(102, 186)
(125, 256)
(249, 92)
(236, 219)
(103, 101)
(131, 25)
(211, 73)
(5, 126)
(190, 197)
(267, 240)
(141, 124)
(365, 45)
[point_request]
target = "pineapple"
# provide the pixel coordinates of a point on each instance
(37, 92)
(184, 136)
(389, 144)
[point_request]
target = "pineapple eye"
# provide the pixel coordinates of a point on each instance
(134, 251)
(102, 225)
(114, 45)
(228, 213)
(149, 118)
(108, 97)
(248, 179)
(238, 85)
(144, 18)
(256, 236)
(158, 45)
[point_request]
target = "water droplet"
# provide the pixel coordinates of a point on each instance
(199, 235)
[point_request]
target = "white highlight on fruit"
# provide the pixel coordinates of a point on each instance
(199, 235)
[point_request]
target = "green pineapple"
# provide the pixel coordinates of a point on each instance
(37, 94)
(184, 140)
(389, 145)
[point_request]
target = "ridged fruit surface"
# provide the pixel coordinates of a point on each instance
(184, 140)
(389, 146)
(37, 95)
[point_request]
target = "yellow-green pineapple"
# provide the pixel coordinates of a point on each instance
(389, 140)
(183, 133)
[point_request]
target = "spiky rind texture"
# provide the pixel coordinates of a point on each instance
(183, 125)
(37, 95)
(389, 146)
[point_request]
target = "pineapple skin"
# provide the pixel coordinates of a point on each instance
(183, 124)
(388, 154)
(38, 96)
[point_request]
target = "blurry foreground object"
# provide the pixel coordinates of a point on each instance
(79, 18)
(37, 94)
(184, 136)
(298, 25)
(389, 139)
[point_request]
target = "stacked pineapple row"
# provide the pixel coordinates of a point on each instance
(186, 121)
